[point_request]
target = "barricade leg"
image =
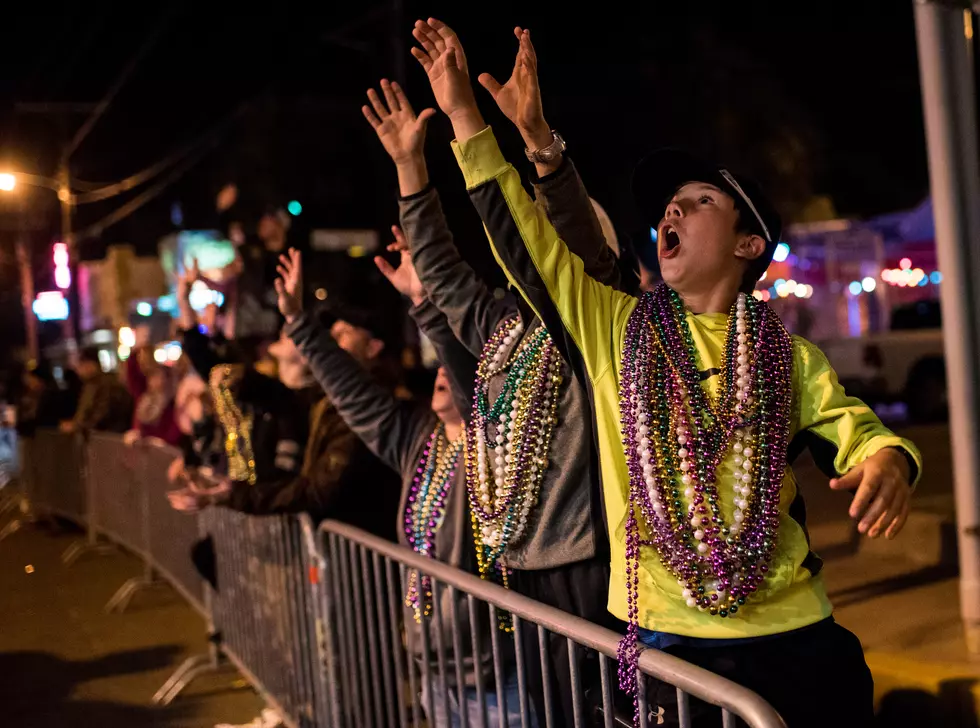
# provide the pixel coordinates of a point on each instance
(124, 595)
(89, 545)
(189, 670)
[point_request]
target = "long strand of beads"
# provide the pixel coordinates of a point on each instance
(675, 438)
(507, 451)
(425, 510)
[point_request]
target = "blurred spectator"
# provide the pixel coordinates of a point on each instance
(154, 415)
(189, 398)
(40, 401)
(105, 403)
(70, 395)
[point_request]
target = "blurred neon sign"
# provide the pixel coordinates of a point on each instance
(50, 306)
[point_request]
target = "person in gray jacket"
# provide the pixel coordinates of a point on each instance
(549, 543)
(426, 448)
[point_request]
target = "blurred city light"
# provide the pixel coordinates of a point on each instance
(294, 208)
(50, 306)
(781, 252)
(127, 337)
(936, 277)
(869, 284)
(160, 356)
(905, 263)
(201, 296)
(123, 351)
(62, 273)
(855, 288)
(7, 182)
(144, 309)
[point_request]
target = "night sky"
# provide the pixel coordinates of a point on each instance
(810, 98)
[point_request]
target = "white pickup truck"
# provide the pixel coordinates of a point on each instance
(906, 365)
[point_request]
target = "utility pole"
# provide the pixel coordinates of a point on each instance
(27, 295)
(944, 33)
(66, 200)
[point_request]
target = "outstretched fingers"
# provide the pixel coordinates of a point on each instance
(391, 99)
(377, 105)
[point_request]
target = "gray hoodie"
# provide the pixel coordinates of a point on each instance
(567, 525)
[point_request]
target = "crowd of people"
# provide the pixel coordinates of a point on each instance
(617, 450)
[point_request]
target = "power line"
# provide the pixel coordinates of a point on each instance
(204, 146)
(121, 80)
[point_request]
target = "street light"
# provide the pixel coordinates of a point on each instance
(7, 182)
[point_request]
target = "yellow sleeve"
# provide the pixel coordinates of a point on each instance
(841, 431)
(537, 262)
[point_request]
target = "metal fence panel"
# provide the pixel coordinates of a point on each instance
(170, 534)
(58, 482)
(118, 497)
(503, 701)
(263, 610)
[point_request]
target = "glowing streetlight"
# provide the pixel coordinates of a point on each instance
(7, 182)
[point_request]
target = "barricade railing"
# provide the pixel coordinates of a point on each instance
(362, 572)
(315, 618)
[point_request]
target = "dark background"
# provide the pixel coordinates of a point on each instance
(812, 99)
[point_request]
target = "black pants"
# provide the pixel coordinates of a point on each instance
(581, 589)
(814, 676)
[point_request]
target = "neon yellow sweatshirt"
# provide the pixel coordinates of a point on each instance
(591, 320)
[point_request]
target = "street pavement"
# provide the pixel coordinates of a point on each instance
(65, 663)
(901, 597)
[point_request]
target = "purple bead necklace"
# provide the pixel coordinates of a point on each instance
(676, 436)
(426, 508)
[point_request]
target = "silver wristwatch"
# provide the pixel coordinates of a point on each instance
(548, 153)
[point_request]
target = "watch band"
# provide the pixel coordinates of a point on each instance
(548, 153)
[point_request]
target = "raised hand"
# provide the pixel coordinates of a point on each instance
(186, 279)
(401, 132)
(883, 496)
(444, 62)
(520, 97)
(403, 278)
(289, 285)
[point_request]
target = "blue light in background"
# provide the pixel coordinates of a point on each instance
(653, 235)
(855, 288)
(144, 309)
(294, 207)
(936, 277)
(781, 253)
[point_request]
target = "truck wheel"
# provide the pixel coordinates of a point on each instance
(925, 391)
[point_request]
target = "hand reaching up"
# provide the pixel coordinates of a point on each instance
(442, 57)
(185, 280)
(401, 132)
(289, 285)
(403, 278)
(520, 97)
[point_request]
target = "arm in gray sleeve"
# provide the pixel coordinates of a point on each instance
(386, 424)
(565, 200)
(453, 286)
(459, 363)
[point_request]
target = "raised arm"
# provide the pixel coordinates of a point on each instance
(557, 185)
(459, 363)
(535, 259)
(387, 425)
(452, 285)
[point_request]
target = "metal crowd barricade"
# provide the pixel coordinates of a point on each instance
(365, 658)
(170, 535)
(12, 479)
(263, 612)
